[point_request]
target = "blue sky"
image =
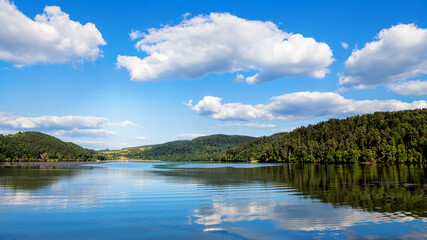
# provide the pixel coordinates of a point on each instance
(315, 60)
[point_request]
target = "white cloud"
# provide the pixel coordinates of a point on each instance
(95, 144)
(251, 125)
(143, 138)
(50, 38)
(11, 121)
(290, 214)
(279, 130)
(189, 136)
(344, 45)
(212, 107)
(398, 53)
(7, 132)
(135, 34)
(89, 142)
(298, 106)
(126, 123)
(239, 78)
(221, 42)
(410, 87)
(93, 133)
(186, 15)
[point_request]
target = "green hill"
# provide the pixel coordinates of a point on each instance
(39, 146)
(206, 148)
(380, 137)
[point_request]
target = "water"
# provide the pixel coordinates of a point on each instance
(160, 200)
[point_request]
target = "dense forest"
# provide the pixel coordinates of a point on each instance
(206, 148)
(35, 146)
(378, 137)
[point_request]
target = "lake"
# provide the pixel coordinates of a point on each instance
(168, 200)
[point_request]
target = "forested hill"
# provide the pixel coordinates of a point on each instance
(29, 146)
(381, 137)
(206, 148)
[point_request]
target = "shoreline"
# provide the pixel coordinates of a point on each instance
(47, 165)
(62, 164)
(80, 164)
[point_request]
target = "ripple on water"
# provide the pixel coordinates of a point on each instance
(197, 200)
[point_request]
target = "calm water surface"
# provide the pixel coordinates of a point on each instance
(160, 200)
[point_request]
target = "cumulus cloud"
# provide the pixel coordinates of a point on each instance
(135, 34)
(50, 38)
(11, 121)
(290, 214)
(221, 42)
(239, 78)
(344, 45)
(279, 130)
(94, 133)
(64, 126)
(251, 125)
(297, 106)
(398, 53)
(126, 123)
(89, 142)
(410, 87)
(7, 132)
(97, 144)
(189, 136)
(214, 108)
(143, 138)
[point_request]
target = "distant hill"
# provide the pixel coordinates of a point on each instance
(380, 137)
(204, 148)
(39, 146)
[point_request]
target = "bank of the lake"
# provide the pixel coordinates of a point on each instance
(63, 164)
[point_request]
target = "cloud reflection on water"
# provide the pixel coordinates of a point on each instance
(297, 215)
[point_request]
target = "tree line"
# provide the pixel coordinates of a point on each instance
(379, 137)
